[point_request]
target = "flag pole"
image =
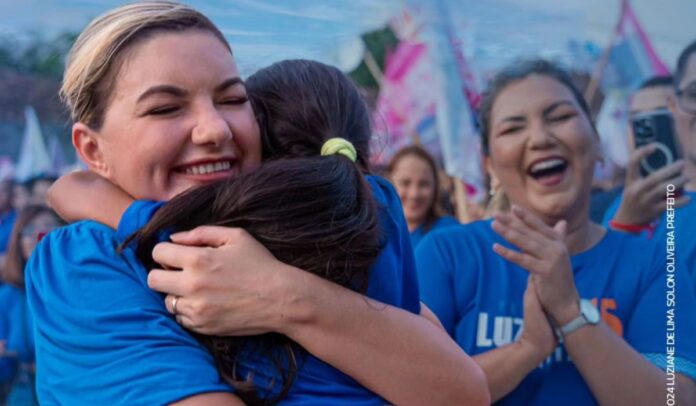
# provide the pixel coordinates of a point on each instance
(598, 73)
(461, 206)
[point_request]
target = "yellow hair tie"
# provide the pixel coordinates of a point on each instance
(339, 146)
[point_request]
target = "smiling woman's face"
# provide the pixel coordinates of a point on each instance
(177, 117)
(543, 147)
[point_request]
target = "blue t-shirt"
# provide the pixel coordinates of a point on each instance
(102, 336)
(8, 362)
(684, 230)
(19, 337)
(442, 222)
(7, 221)
(478, 297)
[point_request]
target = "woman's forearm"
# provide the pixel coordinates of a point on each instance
(401, 356)
(615, 373)
(506, 367)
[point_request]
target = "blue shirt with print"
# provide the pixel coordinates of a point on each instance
(478, 297)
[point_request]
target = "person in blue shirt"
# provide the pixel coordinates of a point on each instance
(641, 209)
(557, 309)
(7, 213)
(414, 174)
(174, 116)
(33, 222)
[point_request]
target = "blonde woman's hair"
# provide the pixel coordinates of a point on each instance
(96, 57)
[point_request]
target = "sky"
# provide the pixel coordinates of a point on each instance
(495, 31)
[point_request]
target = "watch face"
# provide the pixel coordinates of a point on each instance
(589, 310)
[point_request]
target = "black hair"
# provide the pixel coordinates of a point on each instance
(657, 81)
(682, 61)
(514, 73)
(299, 104)
(310, 211)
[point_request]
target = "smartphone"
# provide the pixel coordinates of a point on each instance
(656, 127)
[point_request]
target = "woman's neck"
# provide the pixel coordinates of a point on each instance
(582, 234)
(414, 224)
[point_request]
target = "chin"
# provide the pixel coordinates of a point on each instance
(552, 208)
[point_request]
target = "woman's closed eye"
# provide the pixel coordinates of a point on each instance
(163, 110)
(234, 101)
(561, 117)
(512, 129)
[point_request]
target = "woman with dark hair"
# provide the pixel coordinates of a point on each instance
(582, 292)
(33, 222)
(170, 113)
(414, 174)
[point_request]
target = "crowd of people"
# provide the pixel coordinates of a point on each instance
(231, 245)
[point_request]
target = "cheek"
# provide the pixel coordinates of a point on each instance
(506, 165)
(247, 136)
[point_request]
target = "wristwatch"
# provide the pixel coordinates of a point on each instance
(588, 315)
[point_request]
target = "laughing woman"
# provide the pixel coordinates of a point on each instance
(546, 266)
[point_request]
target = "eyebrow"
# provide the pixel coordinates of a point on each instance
(166, 89)
(555, 105)
(229, 83)
(546, 111)
(179, 92)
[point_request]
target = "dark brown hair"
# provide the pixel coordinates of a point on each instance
(310, 211)
(681, 63)
(13, 270)
(434, 212)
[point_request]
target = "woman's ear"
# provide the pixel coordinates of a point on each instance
(88, 146)
(494, 182)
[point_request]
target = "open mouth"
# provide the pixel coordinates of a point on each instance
(548, 171)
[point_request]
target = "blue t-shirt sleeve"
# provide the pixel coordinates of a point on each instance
(102, 336)
(393, 278)
(436, 278)
(136, 216)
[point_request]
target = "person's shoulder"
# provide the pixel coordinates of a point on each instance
(382, 190)
(78, 249)
(460, 236)
(479, 228)
(446, 221)
(633, 253)
(79, 229)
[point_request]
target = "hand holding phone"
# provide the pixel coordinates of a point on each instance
(656, 127)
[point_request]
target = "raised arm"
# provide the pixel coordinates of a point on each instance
(643, 199)
(507, 366)
(234, 286)
(605, 360)
(85, 195)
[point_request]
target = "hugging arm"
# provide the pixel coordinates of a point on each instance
(231, 285)
(85, 195)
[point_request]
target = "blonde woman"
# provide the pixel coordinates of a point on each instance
(159, 108)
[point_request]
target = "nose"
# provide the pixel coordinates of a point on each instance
(541, 137)
(211, 127)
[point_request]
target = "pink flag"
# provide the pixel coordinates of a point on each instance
(633, 58)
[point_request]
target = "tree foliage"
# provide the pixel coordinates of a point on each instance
(36, 54)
